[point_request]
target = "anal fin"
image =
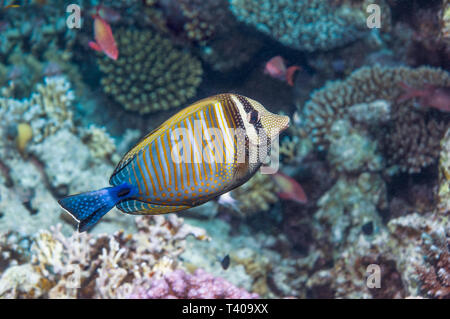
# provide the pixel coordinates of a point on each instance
(136, 207)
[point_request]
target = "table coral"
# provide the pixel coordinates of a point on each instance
(318, 27)
(257, 195)
(150, 74)
(410, 139)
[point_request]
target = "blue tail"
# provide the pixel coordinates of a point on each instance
(88, 208)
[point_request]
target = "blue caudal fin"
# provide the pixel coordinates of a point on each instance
(88, 208)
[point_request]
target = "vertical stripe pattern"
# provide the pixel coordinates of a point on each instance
(204, 140)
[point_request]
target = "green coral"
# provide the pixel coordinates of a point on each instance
(150, 74)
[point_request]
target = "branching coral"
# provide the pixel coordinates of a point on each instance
(255, 196)
(102, 266)
(410, 139)
(150, 74)
(444, 19)
(303, 25)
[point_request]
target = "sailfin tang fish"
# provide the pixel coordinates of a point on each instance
(200, 153)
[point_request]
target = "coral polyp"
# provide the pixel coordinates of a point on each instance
(151, 74)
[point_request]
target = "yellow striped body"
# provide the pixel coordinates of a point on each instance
(190, 159)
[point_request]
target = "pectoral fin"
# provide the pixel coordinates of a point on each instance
(94, 45)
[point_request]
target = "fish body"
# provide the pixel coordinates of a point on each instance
(200, 153)
(430, 96)
(104, 39)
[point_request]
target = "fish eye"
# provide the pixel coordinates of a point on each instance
(253, 117)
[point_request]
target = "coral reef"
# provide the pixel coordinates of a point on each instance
(370, 149)
(257, 195)
(150, 74)
(319, 27)
(350, 207)
(444, 175)
(199, 285)
(99, 143)
(200, 20)
(100, 266)
(435, 275)
(444, 20)
(429, 43)
(31, 178)
(409, 140)
(34, 29)
(47, 110)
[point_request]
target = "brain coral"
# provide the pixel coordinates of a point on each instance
(150, 74)
(305, 25)
(410, 139)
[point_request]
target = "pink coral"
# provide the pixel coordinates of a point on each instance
(199, 285)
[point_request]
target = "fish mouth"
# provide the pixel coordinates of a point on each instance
(285, 123)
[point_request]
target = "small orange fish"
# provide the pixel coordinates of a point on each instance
(288, 188)
(290, 74)
(431, 96)
(276, 68)
(104, 39)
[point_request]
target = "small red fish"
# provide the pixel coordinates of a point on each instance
(276, 68)
(434, 96)
(104, 39)
(289, 188)
(290, 74)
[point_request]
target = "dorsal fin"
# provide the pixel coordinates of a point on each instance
(149, 138)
